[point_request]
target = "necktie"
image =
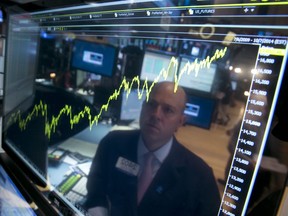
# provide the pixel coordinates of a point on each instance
(146, 176)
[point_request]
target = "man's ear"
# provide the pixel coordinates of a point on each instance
(183, 119)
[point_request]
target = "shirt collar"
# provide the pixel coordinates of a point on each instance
(160, 153)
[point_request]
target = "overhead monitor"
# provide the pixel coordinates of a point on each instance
(157, 66)
(200, 79)
(94, 57)
(250, 39)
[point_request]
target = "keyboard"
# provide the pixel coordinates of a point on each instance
(74, 187)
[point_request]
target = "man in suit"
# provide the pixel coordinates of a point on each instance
(179, 183)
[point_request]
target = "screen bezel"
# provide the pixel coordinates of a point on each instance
(269, 121)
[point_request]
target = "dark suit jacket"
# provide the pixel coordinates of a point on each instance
(184, 184)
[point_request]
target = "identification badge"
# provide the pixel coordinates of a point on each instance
(127, 166)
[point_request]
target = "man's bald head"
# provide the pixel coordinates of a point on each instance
(162, 114)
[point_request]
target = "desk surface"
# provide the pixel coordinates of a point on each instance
(85, 143)
(95, 134)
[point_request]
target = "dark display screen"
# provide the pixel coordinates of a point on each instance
(199, 111)
(93, 57)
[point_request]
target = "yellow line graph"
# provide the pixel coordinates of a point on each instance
(41, 109)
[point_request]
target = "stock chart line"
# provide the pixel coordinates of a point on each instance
(41, 109)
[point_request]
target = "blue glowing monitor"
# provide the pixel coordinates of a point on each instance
(12, 201)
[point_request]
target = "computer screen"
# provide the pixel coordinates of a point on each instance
(199, 111)
(44, 122)
(1, 16)
(12, 200)
(157, 66)
(131, 104)
(200, 81)
(94, 57)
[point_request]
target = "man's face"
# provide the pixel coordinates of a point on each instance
(162, 115)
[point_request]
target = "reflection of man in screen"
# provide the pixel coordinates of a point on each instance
(180, 184)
